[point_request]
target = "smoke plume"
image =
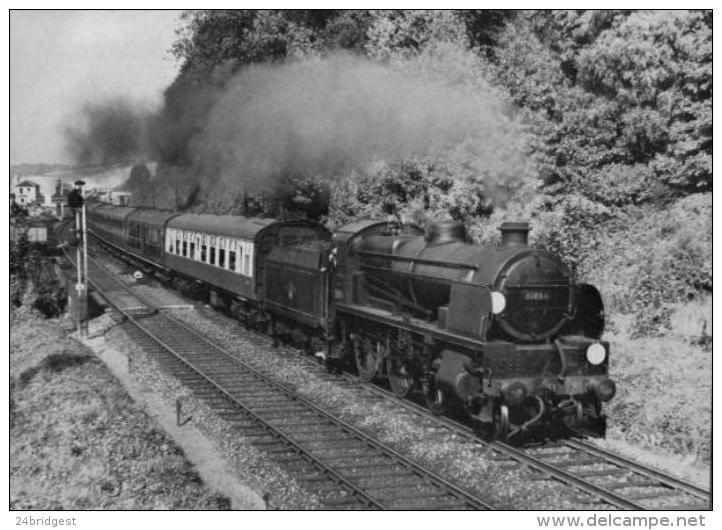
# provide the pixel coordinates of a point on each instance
(110, 132)
(326, 117)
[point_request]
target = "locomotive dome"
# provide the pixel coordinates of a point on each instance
(442, 232)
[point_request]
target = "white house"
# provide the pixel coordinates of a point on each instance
(27, 193)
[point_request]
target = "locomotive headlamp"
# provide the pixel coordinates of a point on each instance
(515, 393)
(498, 302)
(596, 354)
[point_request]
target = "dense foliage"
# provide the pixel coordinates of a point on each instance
(602, 131)
(622, 99)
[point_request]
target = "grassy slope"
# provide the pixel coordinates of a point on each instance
(664, 380)
(77, 441)
(664, 394)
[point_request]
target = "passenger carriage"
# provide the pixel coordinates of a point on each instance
(228, 252)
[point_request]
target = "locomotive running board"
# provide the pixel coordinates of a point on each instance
(414, 325)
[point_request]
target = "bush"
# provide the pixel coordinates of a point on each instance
(47, 296)
(50, 304)
(652, 259)
(677, 269)
(569, 228)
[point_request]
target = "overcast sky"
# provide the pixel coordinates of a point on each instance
(62, 59)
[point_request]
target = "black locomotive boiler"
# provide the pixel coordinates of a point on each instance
(503, 334)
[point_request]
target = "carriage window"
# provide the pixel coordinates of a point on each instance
(221, 257)
(213, 256)
(232, 260)
(185, 249)
(177, 246)
(203, 253)
(246, 265)
(170, 246)
(193, 251)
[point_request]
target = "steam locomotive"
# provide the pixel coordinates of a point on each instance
(503, 335)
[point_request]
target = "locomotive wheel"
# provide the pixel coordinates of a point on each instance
(368, 356)
(501, 422)
(400, 378)
(434, 398)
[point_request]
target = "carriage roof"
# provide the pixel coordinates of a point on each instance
(151, 216)
(225, 225)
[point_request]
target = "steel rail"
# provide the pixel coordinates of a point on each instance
(621, 461)
(389, 451)
(265, 425)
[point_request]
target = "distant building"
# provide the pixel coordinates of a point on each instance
(59, 199)
(120, 198)
(38, 230)
(28, 193)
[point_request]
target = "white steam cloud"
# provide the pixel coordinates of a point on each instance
(326, 117)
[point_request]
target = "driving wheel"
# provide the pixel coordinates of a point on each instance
(400, 378)
(368, 357)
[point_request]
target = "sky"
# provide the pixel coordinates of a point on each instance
(60, 60)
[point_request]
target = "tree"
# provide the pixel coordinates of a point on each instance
(619, 99)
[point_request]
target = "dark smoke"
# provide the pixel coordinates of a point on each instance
(110, 132)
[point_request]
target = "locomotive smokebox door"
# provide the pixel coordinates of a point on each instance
(469, 309)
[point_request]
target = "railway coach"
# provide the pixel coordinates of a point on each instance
(223, 256)
(229, 253)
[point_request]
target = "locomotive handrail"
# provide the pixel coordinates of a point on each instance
(453, 264)
(427, 276)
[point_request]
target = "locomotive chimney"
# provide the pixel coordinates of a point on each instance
(445, 232)
(514, 234)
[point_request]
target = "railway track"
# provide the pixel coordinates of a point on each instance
(601, 476)
(613, 479)
(344, 467)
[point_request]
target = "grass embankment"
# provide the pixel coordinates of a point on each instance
(664, 388)
(77, 440)
(654, 268)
